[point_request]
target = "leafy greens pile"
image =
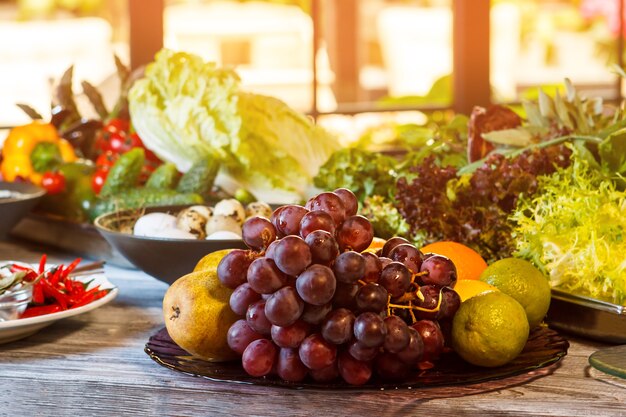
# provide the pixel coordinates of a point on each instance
(185, 109)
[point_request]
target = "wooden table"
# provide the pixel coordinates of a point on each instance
(94, 364)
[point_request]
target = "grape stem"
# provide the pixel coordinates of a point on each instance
(411, 307)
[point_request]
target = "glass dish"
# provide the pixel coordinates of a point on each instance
(544, 347)
(13, 303)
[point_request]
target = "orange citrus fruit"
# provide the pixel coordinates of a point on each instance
(469, 264)
(468, 288)
(377, 243)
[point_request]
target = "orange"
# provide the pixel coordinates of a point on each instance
(377, 243)
(469, 264)
(468, 288)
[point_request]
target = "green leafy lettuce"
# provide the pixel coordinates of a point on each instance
(185, 109)
(574, 229)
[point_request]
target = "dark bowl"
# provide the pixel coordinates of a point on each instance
(164, 259)
(20, 199)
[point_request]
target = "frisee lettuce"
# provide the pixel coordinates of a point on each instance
(574, 229)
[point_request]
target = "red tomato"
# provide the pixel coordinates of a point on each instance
(106, 160)
(119, 143)
(98, 179)
(117, 125)
(53, 182)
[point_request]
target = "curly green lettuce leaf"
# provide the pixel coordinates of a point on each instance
(385, 218)
(365, 173)
(574, 229)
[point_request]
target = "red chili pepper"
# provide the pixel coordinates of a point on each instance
(51, 291)
(66, 272)
(38, 297)
(17, 268)
(54, 279)
(40, 310)
(42, 263)
(90, 297)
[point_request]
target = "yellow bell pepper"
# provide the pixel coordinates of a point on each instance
(22, 141)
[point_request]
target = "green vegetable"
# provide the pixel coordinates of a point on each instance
(124, 173)
(143, 197)
(185, 108)
(164, 177)
(574, 229)
(45, 156)
(244, 196)
(386, 219)
(200, 177)
(365, 173)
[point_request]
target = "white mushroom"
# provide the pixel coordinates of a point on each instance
(223, 235)
(193, 221)
(152, 223)
(230, 208)
(258, 208)
(223, 224)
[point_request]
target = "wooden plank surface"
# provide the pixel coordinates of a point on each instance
(94, 364)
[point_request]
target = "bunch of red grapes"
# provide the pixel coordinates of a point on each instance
(316, 304)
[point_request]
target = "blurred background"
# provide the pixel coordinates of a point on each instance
(349, 63)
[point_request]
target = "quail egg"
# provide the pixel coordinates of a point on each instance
(258, 208)
(219, 223)
(152, 223)
(193, 220)
(205, 211)
(230, 208)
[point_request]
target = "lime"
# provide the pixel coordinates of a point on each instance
(489, 329)
(522, 281)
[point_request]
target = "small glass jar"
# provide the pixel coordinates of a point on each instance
(13, 303)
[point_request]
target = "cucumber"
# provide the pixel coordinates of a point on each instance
(164, 177)
(200, 177)
(124, 173)
(143, 197)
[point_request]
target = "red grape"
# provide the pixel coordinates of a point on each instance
(440, 271)
(361, 352)
(392, 243)
(316, 285)
(315, 314)
(292, 255)
(329, 203)
(397, 338)
(286, 220)
(242, 297)
(259, 357)
(240, 335)
(233, 267)
(255, 316)
(349, 267)
(337, 327)
(371, 297)
(323, 246)
(353, 371)
(344, 296)
(316, 220)
(317, 353)
(258, 233)
(373, 267)
(327, 374)
(284, 307)
(264, 276)
(290, 336)
(396, 279)
(389, 366)
(408, 255)
(355, 233)
(369, 329)
(289, 366)
(349, 200)
(413, 352)
(432, 337)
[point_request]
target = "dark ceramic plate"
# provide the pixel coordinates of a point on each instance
(17, 199)
(164, 259)
(544, 347)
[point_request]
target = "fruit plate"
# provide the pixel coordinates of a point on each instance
(12, 330)
(544, 347)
